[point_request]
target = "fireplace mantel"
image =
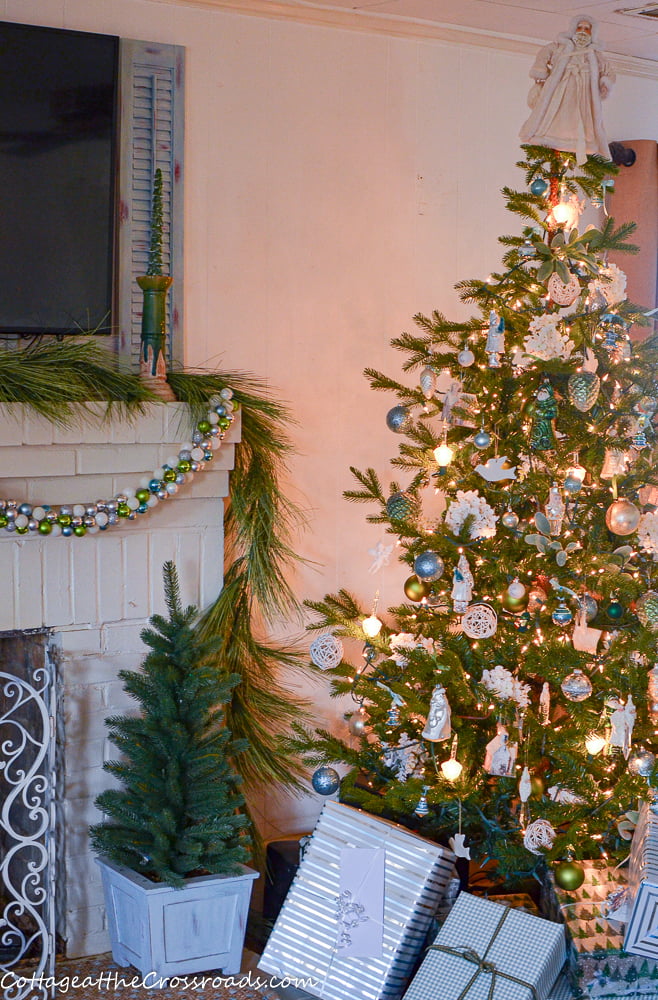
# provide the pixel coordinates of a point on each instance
(96, 593)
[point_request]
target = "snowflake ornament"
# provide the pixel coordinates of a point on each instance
(611, 284)
(406, 760)
(545, 340)
(505, 686)
(406, 641)
(469, 503)
(647, 534)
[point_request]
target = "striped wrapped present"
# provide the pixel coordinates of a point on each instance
(486, 951)
(642, 927)
(357, 913)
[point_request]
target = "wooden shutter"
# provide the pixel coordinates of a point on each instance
(151, 136)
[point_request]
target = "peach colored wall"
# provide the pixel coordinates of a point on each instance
(337, 182)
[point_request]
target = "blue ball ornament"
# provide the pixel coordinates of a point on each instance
(397, 419)
(539, 186)
(325, 780)
(155, 485)
(428, 566)
(562, 615)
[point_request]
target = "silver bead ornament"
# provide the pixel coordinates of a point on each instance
(583, 390)
(482, 439)
(646, 609)
(397, 419)
(641, 762)
(465, 358)
(428, 566)
(325, 780)
(326, 651)
(622, 517)
(576, 686)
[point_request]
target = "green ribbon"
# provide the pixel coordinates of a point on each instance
(470, 955)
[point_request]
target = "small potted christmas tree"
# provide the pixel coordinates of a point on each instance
(173, 842)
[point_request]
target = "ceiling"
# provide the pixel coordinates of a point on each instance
(620, 32)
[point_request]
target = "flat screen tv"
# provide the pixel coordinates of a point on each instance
(58, 112)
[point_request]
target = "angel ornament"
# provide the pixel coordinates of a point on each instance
(622, 722)
(438, 726)
(555, 509)
(500, 754)
(495, 345)
(462, 585)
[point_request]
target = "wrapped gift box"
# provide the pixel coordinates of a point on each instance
(642, 927)
(394, 888)
(599, 966)
(486, 951)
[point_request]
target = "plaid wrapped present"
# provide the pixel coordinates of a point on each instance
(598, 965)
(486, 951)
(327, 939)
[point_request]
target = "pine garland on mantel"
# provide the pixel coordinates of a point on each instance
(64, 381)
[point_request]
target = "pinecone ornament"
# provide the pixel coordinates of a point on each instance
(400, 506)
(583, 390)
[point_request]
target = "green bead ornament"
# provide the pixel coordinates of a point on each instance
(4, 521)
(21, 529)
(224, 423)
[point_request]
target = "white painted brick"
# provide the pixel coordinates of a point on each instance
(115, 458)
(13, 489)
(93, 917)
(39, 461)
(110, 575)
(212, 565)
(58, 490)
(11, 426)
(176, 422)
(98, 669)
(123, 637)
(83, 895)
(10, 555)
(206, 485)
(86, 753)
(150, 427)
(29, 611)
(37, 430)
(84, 566)
(58, 598)
(136, 573)
(77, 641)
(234, 433)
(86, 784)
(80, 943)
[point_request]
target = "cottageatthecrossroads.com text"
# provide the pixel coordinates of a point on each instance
(112, 981)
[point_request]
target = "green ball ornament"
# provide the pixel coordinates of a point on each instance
(169, 477)
(4, 521)
(45, 527)
(583, 390)
(80, 530)
(64, 520)
(184, 465)
(569, 876)
(615, 610)
(416, 589)
(123, 510)
(204, 427)
(142, 495)
(515, 598)
(21, 529)
(224, 423)
(622, 517)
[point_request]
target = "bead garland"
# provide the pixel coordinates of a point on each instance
(89, 518)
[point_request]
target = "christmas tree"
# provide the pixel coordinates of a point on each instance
(509, 703)
(176, 815)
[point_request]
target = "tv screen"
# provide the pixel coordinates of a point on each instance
(58, 97)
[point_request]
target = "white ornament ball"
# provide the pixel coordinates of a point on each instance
(622, 517)
(466, 358)
(516, 589)
(479, 621)
(326, 651)
(539, 834)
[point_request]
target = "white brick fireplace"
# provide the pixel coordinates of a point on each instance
(97, 592)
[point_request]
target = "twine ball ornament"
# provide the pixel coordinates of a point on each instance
(428, 566)
(539, 834)
(583, 390)
(576, 686)
(561, 293)
(398, 419)
(325, 780)
(646, 609)
(622, 517)
(479, 621)
(326, 651)
(641, 762)
(569, 876)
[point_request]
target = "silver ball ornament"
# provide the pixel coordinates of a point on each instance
(482, 439)
(466, 358)
(622, 517)
(590, 606)
(358, 723)
(576, 686)
(641, 762)
(428, 566)
(510, 519)
(325, 780)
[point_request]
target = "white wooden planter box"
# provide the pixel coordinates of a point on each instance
(176, 931)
